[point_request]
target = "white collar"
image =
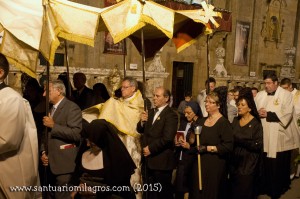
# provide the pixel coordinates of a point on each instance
(56, 105)
(160, 109)
(129, 98)
(91, 161)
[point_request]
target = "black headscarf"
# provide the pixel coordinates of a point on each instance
(118, 164)
(195, 107)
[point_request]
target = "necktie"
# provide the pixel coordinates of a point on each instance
(52, 111)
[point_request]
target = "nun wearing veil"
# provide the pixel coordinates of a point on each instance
(185, 158)
(103, 160)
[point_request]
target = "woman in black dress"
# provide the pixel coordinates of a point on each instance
(185, 159)
(248, 147)
(216, 142)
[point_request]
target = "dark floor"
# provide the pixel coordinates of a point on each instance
(293, 193)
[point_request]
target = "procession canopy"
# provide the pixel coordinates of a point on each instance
(225, 22)
(182, 22)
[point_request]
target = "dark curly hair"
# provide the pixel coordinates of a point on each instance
(246, 94)
(221, 94)
(4, 65)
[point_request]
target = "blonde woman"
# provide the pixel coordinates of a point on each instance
(216, 142)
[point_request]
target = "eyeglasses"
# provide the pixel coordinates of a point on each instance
(209, 102)
(125, 87)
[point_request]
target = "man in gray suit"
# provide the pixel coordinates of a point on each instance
(65, 122)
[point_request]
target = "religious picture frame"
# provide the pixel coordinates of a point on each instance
(111, 48)
(180, 136)
(241, 43)
(273, 24)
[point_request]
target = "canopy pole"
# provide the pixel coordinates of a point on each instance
(143, 55)
(208, 61)
(124, 56)
(45, 194)
(68, 72)
(145, 103)
(47, 102)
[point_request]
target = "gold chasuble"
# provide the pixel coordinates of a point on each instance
(124, 114)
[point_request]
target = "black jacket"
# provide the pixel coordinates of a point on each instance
(159, 136)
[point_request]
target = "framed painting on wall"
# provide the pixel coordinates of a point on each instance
(241, 43)
(272, 26)
(111, 48)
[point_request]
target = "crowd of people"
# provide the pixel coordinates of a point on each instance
(228, 144)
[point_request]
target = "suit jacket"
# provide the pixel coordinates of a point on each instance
(67, 127)
(159, 137)
(232, 112)
(86, 98)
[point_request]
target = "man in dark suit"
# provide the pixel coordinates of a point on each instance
(159, 128)
(82, 96)
(65, 122)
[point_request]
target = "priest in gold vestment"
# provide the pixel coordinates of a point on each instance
(124, 114)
